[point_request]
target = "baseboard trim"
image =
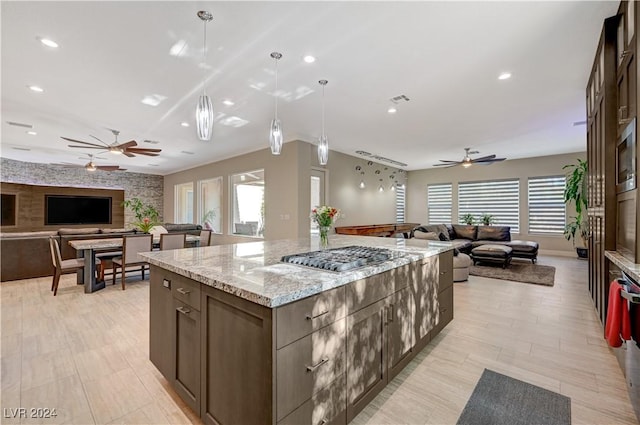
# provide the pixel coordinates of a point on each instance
(558, 253)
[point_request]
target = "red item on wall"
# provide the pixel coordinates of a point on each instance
(618, 323)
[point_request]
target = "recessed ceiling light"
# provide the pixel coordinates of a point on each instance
(153, 99)
(36, 89)
(31, 133)
(392, 110)
(309, 59)
(184, 124)
(48, 42)
(228, 102)
(504, 76)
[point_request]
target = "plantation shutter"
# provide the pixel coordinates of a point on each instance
(400, 203)
(439, 203)
(499, 198)
(546, 205)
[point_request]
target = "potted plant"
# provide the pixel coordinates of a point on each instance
(487, 219)
(146, 215)
(468, 219)
(576, 192)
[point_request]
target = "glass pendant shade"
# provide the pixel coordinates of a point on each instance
(323, 150)
(204, 118)
(275, 136)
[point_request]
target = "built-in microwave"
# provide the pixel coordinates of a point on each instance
(626, 159)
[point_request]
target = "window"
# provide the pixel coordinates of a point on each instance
(183, 199)
(247, 191)
(546, 205)
(498, 198)
(400, 202)
(210, 203)
(439, 203)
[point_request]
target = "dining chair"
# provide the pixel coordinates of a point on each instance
(72, 265)
(131, 246)
(172, 241)
(205, 237)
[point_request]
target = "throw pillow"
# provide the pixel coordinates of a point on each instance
(425, 235)
(442, 237)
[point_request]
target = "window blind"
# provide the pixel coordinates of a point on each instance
(400, 203)
(546, 205)
(499, 198)
(439, 203)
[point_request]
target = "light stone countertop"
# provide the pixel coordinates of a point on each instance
(253, 270)
(629, 267)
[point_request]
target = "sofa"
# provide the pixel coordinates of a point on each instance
(25, 255)
(466, 237)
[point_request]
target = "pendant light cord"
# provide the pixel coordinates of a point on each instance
(204, 61)
(323, 109)
(275, 94)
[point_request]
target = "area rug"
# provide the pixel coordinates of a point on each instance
(501, 400)
(519, 272)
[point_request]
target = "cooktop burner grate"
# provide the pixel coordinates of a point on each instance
(342, 259)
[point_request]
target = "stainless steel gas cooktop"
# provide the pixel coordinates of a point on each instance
(342, 259)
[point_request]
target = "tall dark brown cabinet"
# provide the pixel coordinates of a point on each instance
(602, 125)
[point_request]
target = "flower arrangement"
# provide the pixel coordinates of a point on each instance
(324, 216)
(146, 215)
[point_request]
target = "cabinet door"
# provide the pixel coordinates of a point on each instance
(366, 356)
(425, 288)
(400, 331)
(187, 354)
(160, 315)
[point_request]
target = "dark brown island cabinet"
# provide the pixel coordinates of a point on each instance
(317, 360)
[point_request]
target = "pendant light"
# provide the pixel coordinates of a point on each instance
(275, 131)
(323, 142)
(204, 109)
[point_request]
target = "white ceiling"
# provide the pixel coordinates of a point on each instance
(444, 56)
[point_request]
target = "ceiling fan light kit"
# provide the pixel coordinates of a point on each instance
(204, 108)
(275, 130)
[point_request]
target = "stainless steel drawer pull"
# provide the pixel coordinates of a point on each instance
(391, 313)
(324, 421)
(310, 317)
(444, 272)
(184, 310)
(314, 367)
(442, 310)
(183, 292)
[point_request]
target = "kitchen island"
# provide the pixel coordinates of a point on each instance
(244, 338)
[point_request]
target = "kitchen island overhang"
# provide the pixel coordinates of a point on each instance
(245, 338)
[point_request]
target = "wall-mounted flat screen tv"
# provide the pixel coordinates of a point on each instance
(61, 209)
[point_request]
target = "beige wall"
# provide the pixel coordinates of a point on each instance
(521, 168)
(287, 196)
(360, 206)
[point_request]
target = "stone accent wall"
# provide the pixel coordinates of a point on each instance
(148, 187)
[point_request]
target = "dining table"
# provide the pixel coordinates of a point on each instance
(88, 248)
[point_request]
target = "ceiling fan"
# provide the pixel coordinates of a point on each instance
(467, 160)
(90, 166)
(127, 148)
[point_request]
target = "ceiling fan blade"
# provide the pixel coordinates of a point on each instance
(129, 154)
(447, 165)
(80, 141)
(88, 147)
(483, 158)
(106, 144)
(127, 145)
(142, 153)
(489, 161)
(144, 150)
(447, 160)
(109, 168)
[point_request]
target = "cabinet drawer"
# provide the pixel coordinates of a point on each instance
(445, 299)
(445, 269)
(326, 407)
(185, 290)
(364, 292)
(309, 365)
(300, 318)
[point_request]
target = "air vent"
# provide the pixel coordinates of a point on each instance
(19, 124)
(152, 142)
(22, 149)
(399, 99)
(187, 152)
(578, 123)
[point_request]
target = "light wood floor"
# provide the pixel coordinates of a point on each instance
(87, 355)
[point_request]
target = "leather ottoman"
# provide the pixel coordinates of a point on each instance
(525, 249)
(500, 254)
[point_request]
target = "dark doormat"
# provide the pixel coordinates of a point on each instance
(519, 272)
(501, 400)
